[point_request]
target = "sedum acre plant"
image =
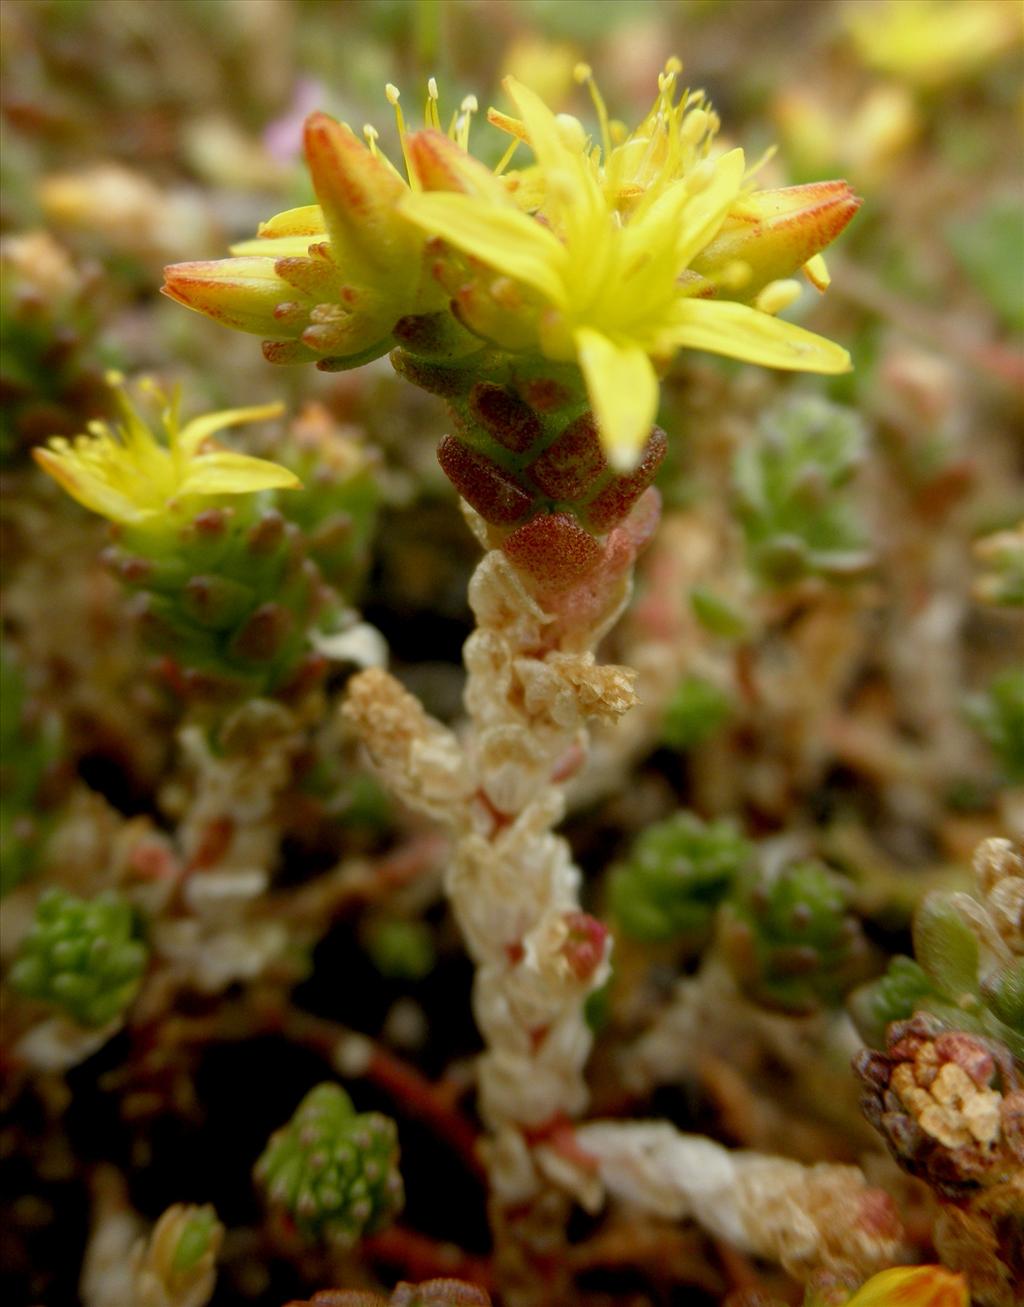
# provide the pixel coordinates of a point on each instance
(332, 1170)
(82, 956)
(228, 591)
(543, 300)
(542, 303)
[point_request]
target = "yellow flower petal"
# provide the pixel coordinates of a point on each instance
(223, 472)
(739, 332)
(305, 221)
(541, 126)
(623, 390)
(705, 212)
(193, 433)
(125, 474)
(573, 196)
(503, 238)
(913, 1286)
(92, 492)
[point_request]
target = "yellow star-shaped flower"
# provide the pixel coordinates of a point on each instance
(606, 261)
(125, 473)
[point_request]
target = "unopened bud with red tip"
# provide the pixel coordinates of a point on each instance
(437, 163)
(328, 281)
(244, 293)
(359, 192)
(769, 235)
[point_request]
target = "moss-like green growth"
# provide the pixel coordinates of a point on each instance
(790, 940)
(82, 955)
(332, 1170)
(677, 874)
(789, 485)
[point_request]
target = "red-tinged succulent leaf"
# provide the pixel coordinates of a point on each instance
(484, 485)
(554, 551)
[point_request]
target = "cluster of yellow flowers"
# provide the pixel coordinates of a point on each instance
(612, 254)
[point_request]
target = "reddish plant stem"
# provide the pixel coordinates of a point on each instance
(422, 1258)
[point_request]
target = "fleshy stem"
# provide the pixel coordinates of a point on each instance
(554, 580)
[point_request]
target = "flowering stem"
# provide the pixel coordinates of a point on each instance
(532, 686)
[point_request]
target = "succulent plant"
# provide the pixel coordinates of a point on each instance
(676, 875)
(790, 939)
(336, 508)
(949, 1104)
(82, 955)
(333, 1170)
(789, 493)
(526, 454)
(232, 601)
(968, 966)
(224, 583)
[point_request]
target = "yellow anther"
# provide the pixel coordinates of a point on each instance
(431, 117)
(817, 273)
(583, 73)
(777, 295)
(393, 93)
(695, 125)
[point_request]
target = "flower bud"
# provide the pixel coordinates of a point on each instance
(243, 293)
(775, 233)
(359, 193)
(438, 163)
